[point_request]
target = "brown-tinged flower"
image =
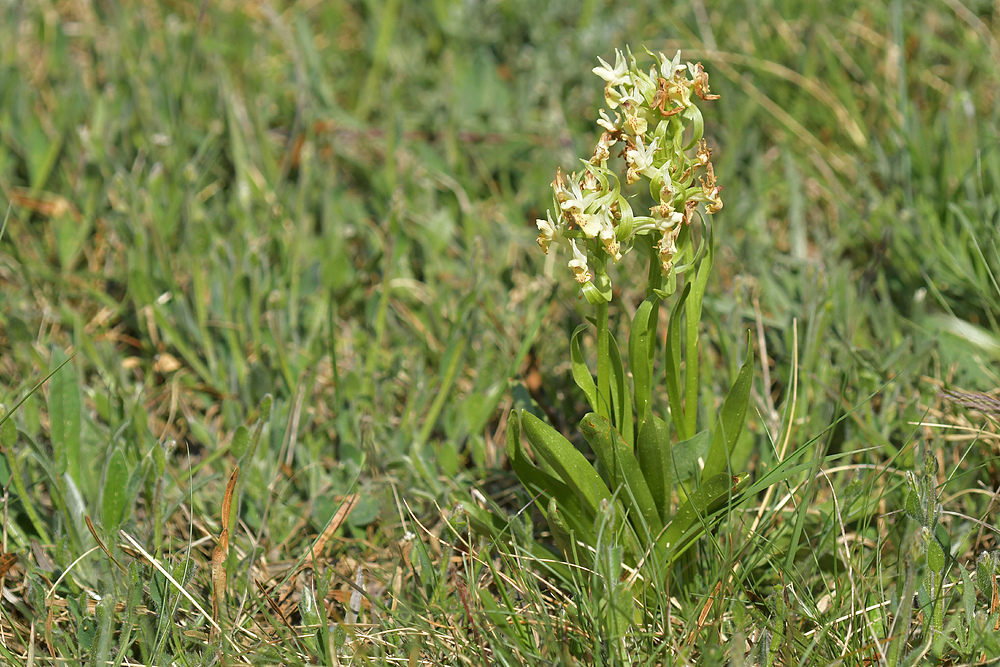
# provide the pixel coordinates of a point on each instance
(700, 77)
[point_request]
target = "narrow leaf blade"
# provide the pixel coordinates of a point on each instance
(731, 419)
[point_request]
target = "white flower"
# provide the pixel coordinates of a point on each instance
(667, 248)
(670, 68)
(546, 231)
(606, 123)
(590, 223)
(640, 159)
(614, 76)
(610, 240)
(579, 264)
(575, 202)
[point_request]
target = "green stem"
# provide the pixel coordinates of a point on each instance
(603, 362)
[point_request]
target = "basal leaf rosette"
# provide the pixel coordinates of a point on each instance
(656, 127)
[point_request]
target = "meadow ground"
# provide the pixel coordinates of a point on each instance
(298, 241)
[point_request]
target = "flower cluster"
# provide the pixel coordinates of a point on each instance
(652, 114)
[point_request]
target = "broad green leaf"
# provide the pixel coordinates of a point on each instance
(543, 485)
(622, 468)
(653, 448)
(571, 466)
(690, 520)
(984, 574)
(730, 423)
(114, 494)
(486, 523)
(672, 365)
(64, 414)
(581, 373)
(935, 555)
(689, 455)
(620, 396)
(241, 442)
(640, 355)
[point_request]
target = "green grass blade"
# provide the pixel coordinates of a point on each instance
(64, 413)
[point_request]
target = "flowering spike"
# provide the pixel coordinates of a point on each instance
(649, 114)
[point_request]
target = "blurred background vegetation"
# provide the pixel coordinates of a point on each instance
(334, 203)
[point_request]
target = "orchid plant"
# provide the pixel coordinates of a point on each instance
(644, 457)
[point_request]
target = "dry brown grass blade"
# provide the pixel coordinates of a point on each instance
(284, 593)
(221, 551)
(332, 525)
(100, 543)
(7, 561)
(984, 403)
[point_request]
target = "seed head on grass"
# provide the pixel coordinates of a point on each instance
(658, 124)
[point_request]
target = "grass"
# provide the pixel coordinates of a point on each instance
(298, 241)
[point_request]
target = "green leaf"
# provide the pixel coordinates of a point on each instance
(690, 520)
(935, 555)
(543, 485)
(672, 365)
(641, 344)
(561, 533)
(114, 495)
(240, 443)
(691, 351)
(653, 450)
(731, 420)
(984, 574)
(64, 413)
(620, 396)
(689, 455)
(571, 466)
(622, 468)
(581, 373)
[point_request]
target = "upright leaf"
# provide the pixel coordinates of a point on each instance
(621, 398)
(692, 322)
(543, 485)
(731, 419)
(64, 414)
(622, 469)
(571, 466)
(690, 520)
(114, 495)
(653, 448)
(640, 349)
(581, 373)
(672, 365)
